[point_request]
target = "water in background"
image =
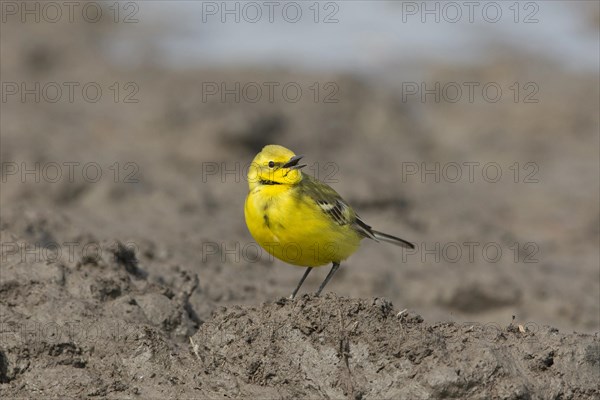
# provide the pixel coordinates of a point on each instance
(369, 37)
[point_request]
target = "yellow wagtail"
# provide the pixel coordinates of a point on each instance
(299, 219)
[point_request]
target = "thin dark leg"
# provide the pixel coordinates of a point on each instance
(334, 268)
(301, 282)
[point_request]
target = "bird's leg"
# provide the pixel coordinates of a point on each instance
(301, 282)
(334, 268)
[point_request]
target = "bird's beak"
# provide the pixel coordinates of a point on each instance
(293, 163)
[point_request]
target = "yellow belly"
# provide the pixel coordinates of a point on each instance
(296, 231)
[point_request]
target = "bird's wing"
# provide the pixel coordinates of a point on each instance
(327, 200)
(334, 206)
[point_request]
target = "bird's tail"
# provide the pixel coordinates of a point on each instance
(384, 237)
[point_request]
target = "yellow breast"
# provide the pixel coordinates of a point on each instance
(295, 229)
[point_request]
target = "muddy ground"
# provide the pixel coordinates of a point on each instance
(144, 282)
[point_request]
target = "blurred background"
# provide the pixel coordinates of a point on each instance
(470, 130)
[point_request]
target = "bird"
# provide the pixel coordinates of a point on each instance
(301, 220)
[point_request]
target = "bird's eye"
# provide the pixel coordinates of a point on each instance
(271, 164)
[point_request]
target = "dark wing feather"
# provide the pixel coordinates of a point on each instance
(336, 210)
(364, 229)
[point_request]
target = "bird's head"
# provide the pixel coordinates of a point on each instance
(275, 165)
